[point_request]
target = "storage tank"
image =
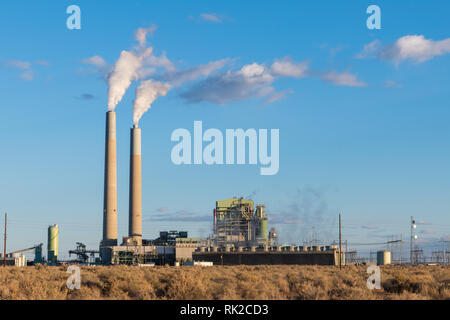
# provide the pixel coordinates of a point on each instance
(383, 257)
(52, 245)
(264, 232)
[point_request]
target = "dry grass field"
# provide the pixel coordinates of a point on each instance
(236, 282)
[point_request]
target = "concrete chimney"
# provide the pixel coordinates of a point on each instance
(135, 219)
(110, 187)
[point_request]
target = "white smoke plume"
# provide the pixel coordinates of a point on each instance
(146, 94)
(141, 34)
(125, 70)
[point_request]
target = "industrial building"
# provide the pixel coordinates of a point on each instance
(14, 259)
(237, 222)
(301, 255)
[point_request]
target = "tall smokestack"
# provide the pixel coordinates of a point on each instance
(135, 219)
(110, 191)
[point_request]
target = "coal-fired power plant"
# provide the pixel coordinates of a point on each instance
(240, 231)
(110, 188)
(135, 218)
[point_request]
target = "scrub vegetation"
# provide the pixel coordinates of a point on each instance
(228, 282)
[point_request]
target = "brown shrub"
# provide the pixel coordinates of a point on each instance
(228, 282)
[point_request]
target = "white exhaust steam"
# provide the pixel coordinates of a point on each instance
(125, 70)
(146, 94)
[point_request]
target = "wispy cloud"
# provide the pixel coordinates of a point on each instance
(43, 63)
(99, 65)
(177, 77)
(212, 17)
(25, 66)
(369, 50)
(415, 48)
(343, 79)
(179, 216)
(96, 61)
(392, 84)
(252, 80)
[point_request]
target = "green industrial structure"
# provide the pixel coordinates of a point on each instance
(237, 222)
(52, 245)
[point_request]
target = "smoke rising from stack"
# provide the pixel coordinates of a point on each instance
(146, 94)
(141, 34)
(125, 71)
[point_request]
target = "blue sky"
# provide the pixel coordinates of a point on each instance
(362, 131)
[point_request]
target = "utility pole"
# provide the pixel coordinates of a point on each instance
(4, 248)
(413, 226)
(340, 243)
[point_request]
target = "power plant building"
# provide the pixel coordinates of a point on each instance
(237, 222)
(240, 231)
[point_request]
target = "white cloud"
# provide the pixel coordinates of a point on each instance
(28, 75)
(24, 65)
(177, 77)
(285, 67)
(252, 80)
(415, 48)
(369, 50)
(274, 96)
(231, 85)
(95, 61)
(343, 79)
(211, 17)
(99, 64)
(159, 62)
